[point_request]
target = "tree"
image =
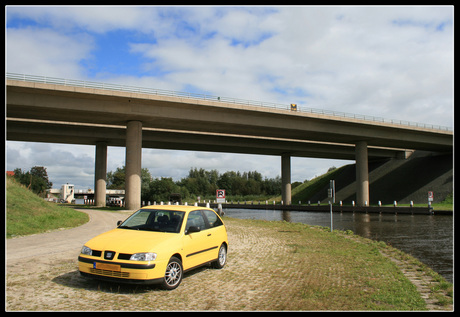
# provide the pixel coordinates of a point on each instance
(199, 182)
(332, 168)
(146, 178)
(116, 180)
(161, 188)
(225, 182)
(36, 179)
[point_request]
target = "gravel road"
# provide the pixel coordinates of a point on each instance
(51, 243)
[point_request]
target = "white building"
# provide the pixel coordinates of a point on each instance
(67, 193)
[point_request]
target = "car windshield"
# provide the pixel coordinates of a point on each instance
(155, 220)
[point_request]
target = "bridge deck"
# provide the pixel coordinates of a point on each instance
(107, 108)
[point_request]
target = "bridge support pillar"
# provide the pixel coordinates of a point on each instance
(362, 174)
(133, 165)
(286, 179)
(100, 175)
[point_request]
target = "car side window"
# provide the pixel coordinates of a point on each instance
(195, 218)
(213, 219)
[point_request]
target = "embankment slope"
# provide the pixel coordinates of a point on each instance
(390, 180)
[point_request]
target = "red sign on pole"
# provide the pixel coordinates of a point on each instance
(430, 196)
(220, 195)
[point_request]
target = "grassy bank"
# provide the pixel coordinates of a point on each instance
(320, 270)
(26, 213)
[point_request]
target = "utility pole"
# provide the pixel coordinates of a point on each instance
(331, 194)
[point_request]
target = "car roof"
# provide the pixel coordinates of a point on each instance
(175, 207)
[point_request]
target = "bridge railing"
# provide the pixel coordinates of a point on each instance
(171, 93)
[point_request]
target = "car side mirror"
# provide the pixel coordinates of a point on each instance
(119, 222)
(192, 229)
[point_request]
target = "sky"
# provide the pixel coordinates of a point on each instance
(394, 62)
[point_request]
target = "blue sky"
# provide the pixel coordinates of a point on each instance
(392, 62)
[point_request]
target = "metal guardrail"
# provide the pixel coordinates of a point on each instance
(171, 93)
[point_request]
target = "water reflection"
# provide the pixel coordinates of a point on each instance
(426, 237)
(286, 216)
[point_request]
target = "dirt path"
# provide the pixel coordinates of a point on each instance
(51, 243)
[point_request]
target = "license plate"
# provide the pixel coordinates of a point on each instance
(107, 266)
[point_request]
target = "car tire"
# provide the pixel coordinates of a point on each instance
(173, 274)
(221, 258)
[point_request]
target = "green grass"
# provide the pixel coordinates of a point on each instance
(446, 204)
(341, 271)
(26, 213)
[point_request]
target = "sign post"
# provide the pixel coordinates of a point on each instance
(331, 194)
(430, 199)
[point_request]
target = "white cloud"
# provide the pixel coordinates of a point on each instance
(97, 19)
(354, 60)
(177, 164)
(64, 163)
(359, 61)
(45, 52)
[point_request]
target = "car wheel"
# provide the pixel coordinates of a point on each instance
(173, 274)
(222, 257)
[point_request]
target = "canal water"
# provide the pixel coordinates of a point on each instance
(429, 238)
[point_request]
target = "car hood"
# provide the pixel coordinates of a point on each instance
(134, 241)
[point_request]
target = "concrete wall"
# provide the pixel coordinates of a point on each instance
(400, 180)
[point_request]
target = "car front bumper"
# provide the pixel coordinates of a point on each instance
(121, 271)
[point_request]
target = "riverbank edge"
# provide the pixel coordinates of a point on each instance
(432, 287)
(335, 208)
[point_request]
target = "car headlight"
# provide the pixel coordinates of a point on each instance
(143, 256)
(86, 250)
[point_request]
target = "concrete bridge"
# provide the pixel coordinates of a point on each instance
(89, 192)
(54, 110)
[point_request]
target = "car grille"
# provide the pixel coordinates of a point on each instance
(108, 255)
(109, 273)
(121, 256)
(124, 256)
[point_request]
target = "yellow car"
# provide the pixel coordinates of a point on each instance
(157, 244)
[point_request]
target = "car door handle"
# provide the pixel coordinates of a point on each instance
(209, 234)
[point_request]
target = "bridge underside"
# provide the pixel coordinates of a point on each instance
(112, 135)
